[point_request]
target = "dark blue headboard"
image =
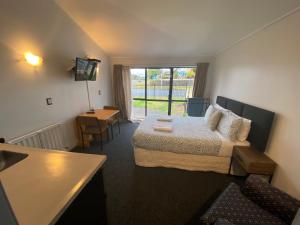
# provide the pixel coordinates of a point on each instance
(261, 120)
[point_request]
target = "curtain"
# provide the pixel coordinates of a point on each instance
(200, 80)
(122, 90)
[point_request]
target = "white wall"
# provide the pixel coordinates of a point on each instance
(264, 70)
(42, 27)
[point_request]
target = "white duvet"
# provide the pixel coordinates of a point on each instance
(190, 135)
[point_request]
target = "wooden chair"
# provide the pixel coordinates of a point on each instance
(91, 126)
(114, 120)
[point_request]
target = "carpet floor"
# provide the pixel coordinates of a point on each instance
(152, 196)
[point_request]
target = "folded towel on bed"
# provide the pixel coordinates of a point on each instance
(163, 127)
(165, 119)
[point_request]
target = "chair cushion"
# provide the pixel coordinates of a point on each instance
(270, 198)
(233, 206)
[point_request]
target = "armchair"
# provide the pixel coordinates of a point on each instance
(254, 203)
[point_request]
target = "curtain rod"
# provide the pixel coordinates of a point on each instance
(159, 67)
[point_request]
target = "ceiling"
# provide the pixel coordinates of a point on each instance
(172, 28)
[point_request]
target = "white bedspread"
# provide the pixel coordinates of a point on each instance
(189, 135)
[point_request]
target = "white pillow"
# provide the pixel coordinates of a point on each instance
(214, 119)
(229, 125)
(217, 106)
(208, 112)
(244, 129)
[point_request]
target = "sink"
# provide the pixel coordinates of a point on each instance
(8, 158)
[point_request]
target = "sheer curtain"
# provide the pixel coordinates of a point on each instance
(122, 90)
(200, 80)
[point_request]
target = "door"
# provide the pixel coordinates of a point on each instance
(158, 91)
(138, 92)
(182, 89)
(161, 91)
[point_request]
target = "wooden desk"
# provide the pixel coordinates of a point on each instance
(103, 115)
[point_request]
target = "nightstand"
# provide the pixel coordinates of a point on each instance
(253, 161)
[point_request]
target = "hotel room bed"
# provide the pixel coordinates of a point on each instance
(192, 145)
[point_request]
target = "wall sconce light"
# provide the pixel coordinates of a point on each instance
(32, 59)
(97, 70)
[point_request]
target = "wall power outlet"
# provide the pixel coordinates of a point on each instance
(49, 101)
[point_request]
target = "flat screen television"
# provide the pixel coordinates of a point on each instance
(86, 69)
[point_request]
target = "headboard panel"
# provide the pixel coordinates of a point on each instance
(221, 101)
(261, 120)
(235, 106)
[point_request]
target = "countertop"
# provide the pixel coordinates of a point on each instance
(44, 184)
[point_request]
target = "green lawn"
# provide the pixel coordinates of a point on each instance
(157, 106)
(142, 86)
(178, 108)
(160, 97)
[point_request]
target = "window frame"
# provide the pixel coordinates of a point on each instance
(169, 100)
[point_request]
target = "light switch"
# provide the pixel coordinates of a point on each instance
(49, 101)
(99, 92)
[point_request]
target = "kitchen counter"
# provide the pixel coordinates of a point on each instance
(42, 186)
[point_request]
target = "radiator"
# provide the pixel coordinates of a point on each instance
(50, 137)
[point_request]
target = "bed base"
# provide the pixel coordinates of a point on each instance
(153, 158)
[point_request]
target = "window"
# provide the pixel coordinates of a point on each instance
(161, 91)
